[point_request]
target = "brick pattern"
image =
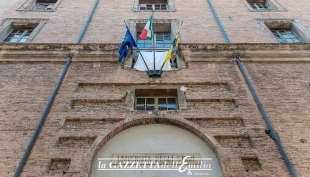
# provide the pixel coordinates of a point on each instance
(218, 122)
(251, 163)
(75, 141)
(234, 141)
(217, 73)
(96, 103)
(60, 164)
(215, 103)
(73, 88)
(88, 123)
(24, 92)
(283, 88)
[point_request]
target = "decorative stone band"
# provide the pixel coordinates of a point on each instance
(273, 52)
(58, 52)
(190, 52)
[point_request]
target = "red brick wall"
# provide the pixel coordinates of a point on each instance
(25, 87)
(24, 92)
(284, 91)
(264, 148)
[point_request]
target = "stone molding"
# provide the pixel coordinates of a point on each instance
(170, 4)
(190, 52)
(247, 52)
(6, 26)
(59, 52)
(30, 4)
(273, 4)
(293, 24)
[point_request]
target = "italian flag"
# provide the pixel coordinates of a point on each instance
(147, 30)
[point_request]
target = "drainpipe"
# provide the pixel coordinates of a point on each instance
(51, 100)
(273, 134)
(87, 22)
(218, 21)
(41, 122)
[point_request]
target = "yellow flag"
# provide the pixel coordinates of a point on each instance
(173, 47)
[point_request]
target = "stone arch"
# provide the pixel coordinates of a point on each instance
(153, 119)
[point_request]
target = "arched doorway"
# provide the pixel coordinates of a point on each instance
(162, 147)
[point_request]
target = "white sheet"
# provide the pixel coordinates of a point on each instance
(149, 59)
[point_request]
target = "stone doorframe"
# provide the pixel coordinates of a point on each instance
(102, 139)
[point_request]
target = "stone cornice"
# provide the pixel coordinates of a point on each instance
(58, 52)
(190, 51)
(247, 52)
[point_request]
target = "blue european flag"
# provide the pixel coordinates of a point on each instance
(128, 42)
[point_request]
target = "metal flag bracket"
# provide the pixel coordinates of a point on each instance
(154, 73)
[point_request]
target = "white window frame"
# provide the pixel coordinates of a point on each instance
(157, 49)
(152, 6)
(30, 5)
(273, 6)
(259, 5)
(155, 107)
(7, 27)
(22, 36)
(277, 32)
(292, 24)
(155, 39)
(170, 6)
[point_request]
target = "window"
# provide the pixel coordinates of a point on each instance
(259, 6)
(156, 103)
(284, 30)
(153, 7)
(164, 32)
(156, 99)
(162, 36)
(44, 6)
(157, 5)
(263, 5)
(18, 36)
(161, 40)
(40, 5)
(286, 36)
(19, 30)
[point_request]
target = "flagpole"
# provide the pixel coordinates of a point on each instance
(153, 39)
(139, 50)
(171, 44)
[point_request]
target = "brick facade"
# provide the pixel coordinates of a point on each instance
(96, 98)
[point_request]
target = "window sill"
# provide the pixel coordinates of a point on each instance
(156, 110)
(268, 10)
(154, 10)
(37, 10)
